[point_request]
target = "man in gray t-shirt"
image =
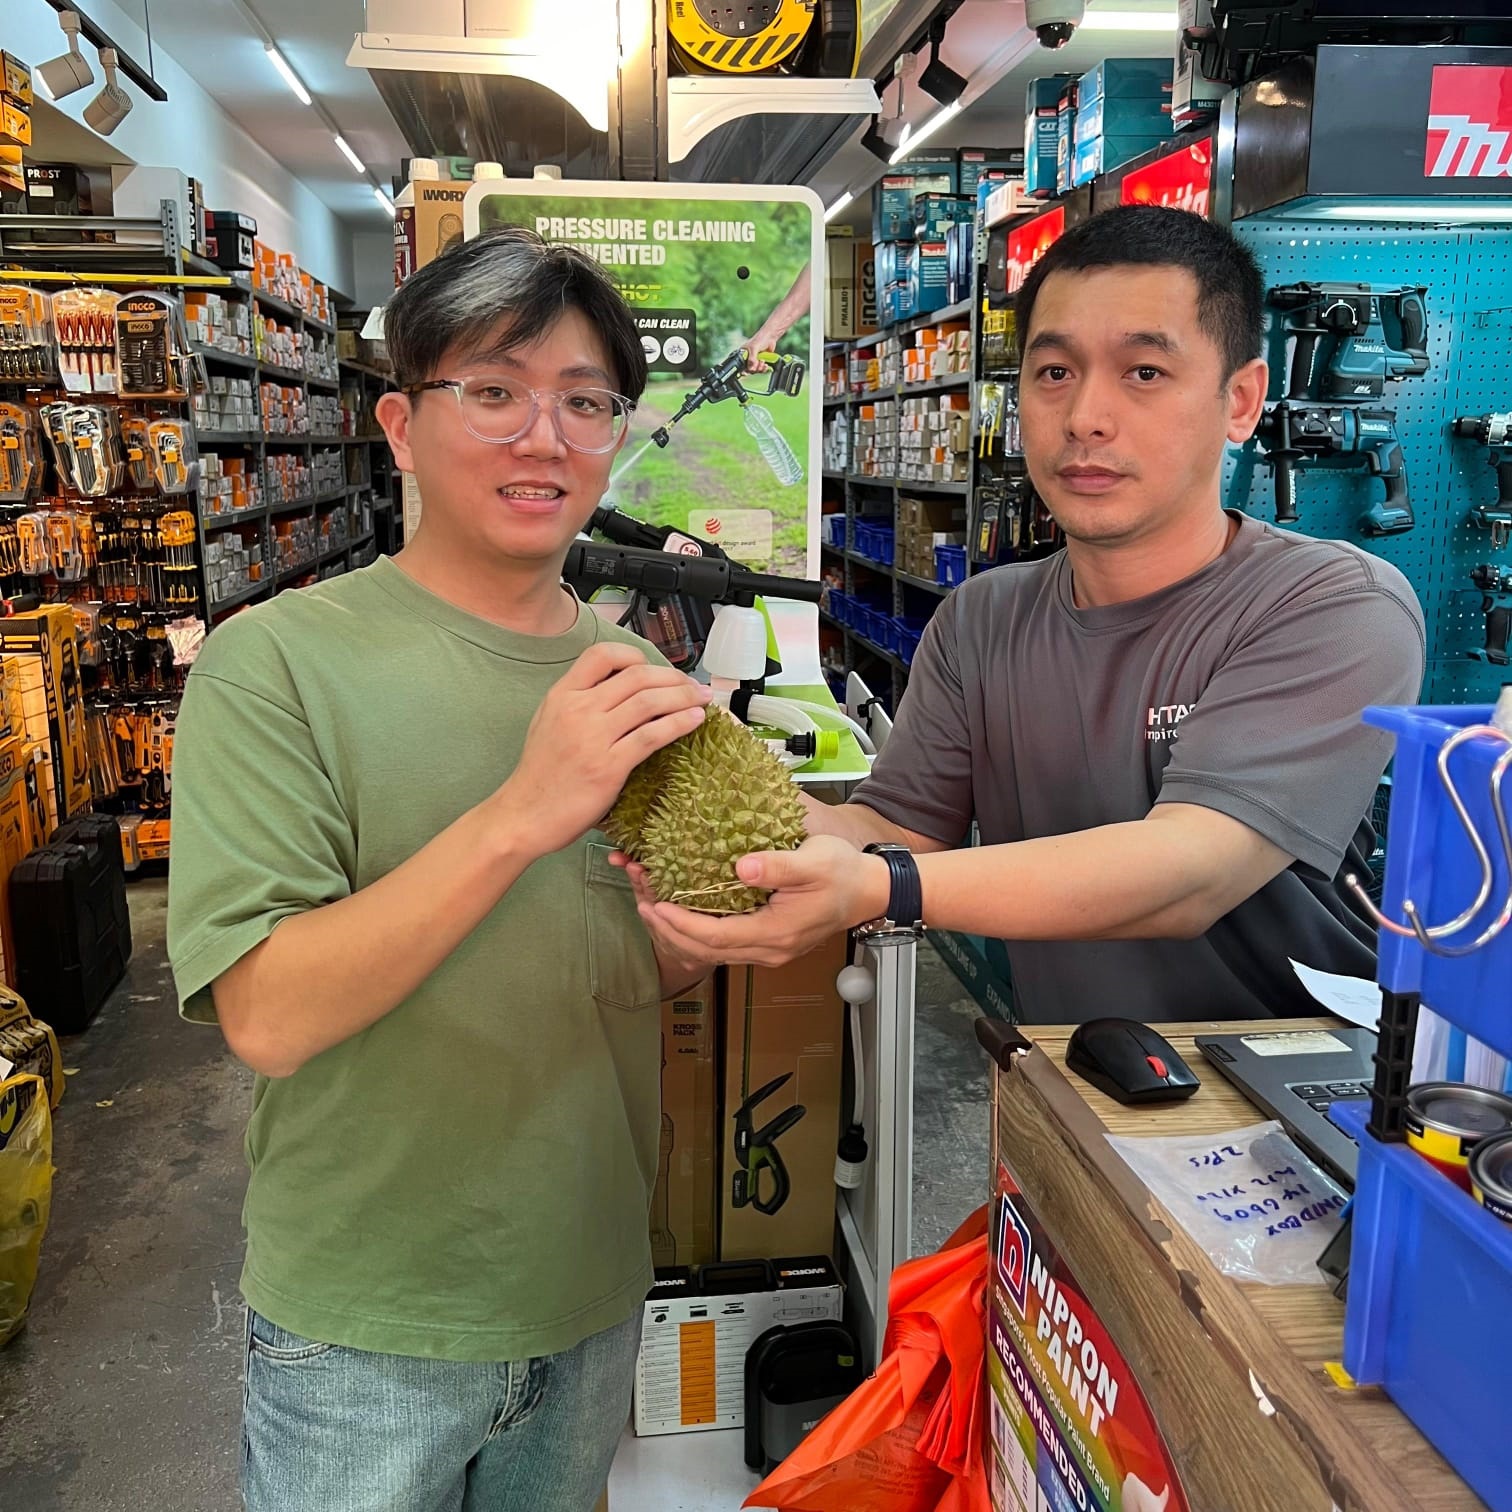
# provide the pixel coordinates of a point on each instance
(1158, 730)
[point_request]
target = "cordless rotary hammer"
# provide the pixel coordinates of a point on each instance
(1295, 431)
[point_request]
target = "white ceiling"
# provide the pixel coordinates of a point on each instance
(218, 44)
(215, 40)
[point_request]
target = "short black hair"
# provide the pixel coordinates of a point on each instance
(511, 276)
(1230, 290)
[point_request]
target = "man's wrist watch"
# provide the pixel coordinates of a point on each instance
(905, 898)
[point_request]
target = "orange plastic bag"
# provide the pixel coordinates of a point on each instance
(909, 1439)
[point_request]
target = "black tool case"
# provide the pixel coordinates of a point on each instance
(71, 926)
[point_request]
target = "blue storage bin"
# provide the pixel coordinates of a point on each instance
(910, 631)
(950, 565)
(1430, 861)
(1429, 1311)
(834, 605)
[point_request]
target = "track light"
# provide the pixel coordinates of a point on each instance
(875, 143)
(290, 78)
(939, 79)
(112, 105)
(70, 71)
(349, 155)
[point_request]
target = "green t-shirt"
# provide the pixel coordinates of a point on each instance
(470, 1177)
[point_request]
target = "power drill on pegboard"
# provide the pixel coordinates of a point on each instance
(1495, 584)
(1495, 433)
(1323, 413)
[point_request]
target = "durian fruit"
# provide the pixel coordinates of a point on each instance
(718, 795)
(644, 787)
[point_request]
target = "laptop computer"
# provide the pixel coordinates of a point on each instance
(1294, 1075)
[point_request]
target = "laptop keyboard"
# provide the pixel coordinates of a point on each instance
(1319, 1095)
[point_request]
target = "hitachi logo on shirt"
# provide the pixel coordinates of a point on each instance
(1161, 722)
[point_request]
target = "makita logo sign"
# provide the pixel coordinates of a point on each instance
(1469, 123)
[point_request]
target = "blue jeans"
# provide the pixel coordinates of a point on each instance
(331, 1429)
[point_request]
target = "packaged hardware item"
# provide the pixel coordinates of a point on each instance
(173, 455)
(137, 445)
(151, 350)
(71, 544)
(84, 329)
(27, 353)
(20, 454)
(32, 541)
(86, 445)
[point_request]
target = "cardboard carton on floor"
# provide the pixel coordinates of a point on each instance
(52, 699)
(783, 1025)
(685, 1207)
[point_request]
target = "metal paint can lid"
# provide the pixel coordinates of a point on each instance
(1491, 1175)
(1452, 1108)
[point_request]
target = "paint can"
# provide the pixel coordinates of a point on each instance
(1445, 1121)
(1491, 1175)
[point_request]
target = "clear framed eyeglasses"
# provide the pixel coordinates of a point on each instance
(592, 420)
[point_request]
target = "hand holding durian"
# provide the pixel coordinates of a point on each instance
(692, 810)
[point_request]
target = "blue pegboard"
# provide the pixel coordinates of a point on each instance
(1468, 275)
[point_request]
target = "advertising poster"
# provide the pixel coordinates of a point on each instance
(1071, 1430)
(722, 446)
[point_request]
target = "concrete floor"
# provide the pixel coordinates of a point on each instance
(124, 1389)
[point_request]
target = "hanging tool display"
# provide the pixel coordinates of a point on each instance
(172, 454)
(756, 1149)
(84, 325)
(726, 380)
(1495, 433)
(87, 446)
(813, 38)
(27, 353)
(1349, 341)
(20, 454)
(1495, 584)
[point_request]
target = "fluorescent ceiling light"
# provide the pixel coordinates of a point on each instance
(349, 155)
(1450, 212)
(838, 206)
(384, 200)
(928, 129)
(289, 76)
(1129, 21)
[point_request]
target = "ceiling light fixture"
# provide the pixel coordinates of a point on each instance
(928, 129)
(112, 105)
(349, 155)
(875, 143)
(1129, 21)
(939, 79)
(69, 71)
(290, 78)
(382, 197)
(838, 206)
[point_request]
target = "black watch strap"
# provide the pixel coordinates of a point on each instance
(905, 898)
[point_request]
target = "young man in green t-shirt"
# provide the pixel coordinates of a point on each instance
(387, 890)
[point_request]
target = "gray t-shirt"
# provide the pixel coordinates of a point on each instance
(1239, 689)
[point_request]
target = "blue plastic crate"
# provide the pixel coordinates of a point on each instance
(909, 631)
(836, 605)
(1429, 1310)
(1430, 861)
(950, 565)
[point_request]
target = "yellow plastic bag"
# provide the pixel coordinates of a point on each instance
(26, 1173)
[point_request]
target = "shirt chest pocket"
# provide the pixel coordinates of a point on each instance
(621, 961)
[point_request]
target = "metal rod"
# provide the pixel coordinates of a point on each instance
(128, 65)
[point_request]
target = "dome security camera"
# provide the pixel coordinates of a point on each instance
(1053, 21)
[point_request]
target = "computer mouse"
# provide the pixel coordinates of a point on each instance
(1130, 1062)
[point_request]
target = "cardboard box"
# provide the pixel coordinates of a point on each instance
(17, 837)
(437, 215)
(1065, 140)
(1194, 96)
(1122, 118)
(1106, 153)
(1127, 79)
(57, 189)
(46, 649)
(16, 80)
(699, 1326)
(685, 1206)
(783, 1025)
(15, 123)
(1041, 133)
(977, 162)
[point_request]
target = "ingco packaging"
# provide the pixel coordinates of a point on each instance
(46, 656)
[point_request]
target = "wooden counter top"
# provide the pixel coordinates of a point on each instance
(1367, 1456)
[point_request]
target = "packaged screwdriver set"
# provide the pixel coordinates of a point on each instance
(27, 352)
(84, 323)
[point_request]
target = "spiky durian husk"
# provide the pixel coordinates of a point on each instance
(722, 795)
(628, 816)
